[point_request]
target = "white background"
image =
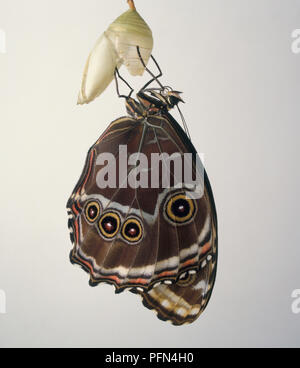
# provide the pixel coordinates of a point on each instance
(241, 85)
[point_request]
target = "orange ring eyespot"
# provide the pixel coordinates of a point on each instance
(109, 224)
(132, 230)
(92, 211)
(180, 209)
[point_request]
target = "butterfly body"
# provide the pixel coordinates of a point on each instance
(159, 242)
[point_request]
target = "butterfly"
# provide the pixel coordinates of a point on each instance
(157, 241)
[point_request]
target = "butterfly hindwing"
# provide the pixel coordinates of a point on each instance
(184, 301)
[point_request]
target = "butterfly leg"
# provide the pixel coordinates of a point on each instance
(154, 78)
(117, 75)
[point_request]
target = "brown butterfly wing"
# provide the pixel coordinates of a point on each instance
(184, 301)
(167, 250)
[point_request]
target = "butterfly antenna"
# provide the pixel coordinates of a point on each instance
(184, 123)
(117, 75)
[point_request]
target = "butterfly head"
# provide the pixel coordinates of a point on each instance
(168, 97)
(165, 97)
(152, 101)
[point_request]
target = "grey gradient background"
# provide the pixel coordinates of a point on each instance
(233, 61)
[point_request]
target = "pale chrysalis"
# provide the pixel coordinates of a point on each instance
(117, 46)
